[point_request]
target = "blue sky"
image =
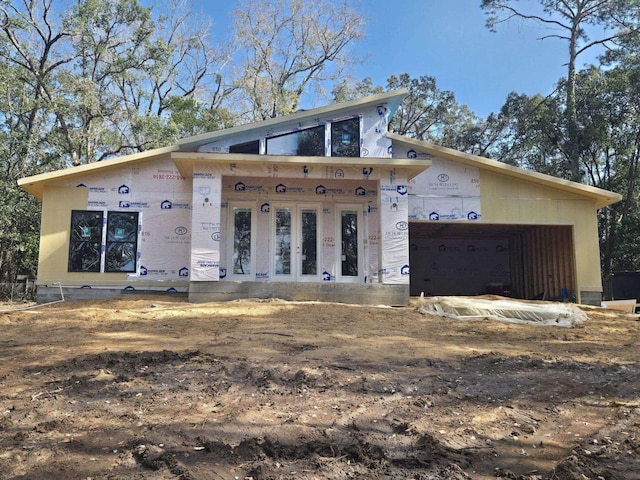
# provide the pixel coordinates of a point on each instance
(448, 40)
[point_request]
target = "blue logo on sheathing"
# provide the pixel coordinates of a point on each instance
(240, 187)
(402, 189)
(434, 216)
(166, 205)
(81, 185)
(326, 276)
(321, 190)
(412, 154)
(472, 216)
(143, 271)
(404, 270)
(360, 192)
(402, 225)
(171, 289)
(123, 204)
(123, 189)
(265, 208)
(183, 272)
(129, 288)
(223, 273)
(281, 188)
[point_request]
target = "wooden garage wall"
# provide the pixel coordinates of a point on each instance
(548, 263)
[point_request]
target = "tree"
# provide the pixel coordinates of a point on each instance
(569, 19)
(81, 84)
(288, 47)
(429, 114)
(609, 102)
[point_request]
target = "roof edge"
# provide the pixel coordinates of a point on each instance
(33, 184)
(603, 197)
(393, 98)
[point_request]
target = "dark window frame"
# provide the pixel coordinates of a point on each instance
(85, 241)
(96, 239)
(122, 243)
(340, 148)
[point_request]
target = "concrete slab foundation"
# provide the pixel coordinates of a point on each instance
(47, 293)
(591, 298)
(357, 293)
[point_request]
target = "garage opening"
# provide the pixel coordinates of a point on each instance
(520, 261)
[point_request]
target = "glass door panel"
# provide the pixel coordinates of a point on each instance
(241, 256)
(309, 241)
(349, 243)
(283, 241)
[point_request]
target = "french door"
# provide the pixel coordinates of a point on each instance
(287, 243)
(296, 242)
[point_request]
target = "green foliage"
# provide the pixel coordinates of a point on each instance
(19, 232)
(568, 20)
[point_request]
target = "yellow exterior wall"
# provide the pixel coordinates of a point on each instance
(57, 204)
(505, 200)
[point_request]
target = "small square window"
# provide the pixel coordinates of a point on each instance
(345, 138)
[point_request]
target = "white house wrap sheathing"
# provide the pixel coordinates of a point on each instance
(446, 191)
(464, 308)
(162, 197)
(379, 194)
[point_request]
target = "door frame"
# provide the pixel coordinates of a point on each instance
(296, 209)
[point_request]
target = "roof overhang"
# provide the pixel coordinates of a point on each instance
(36, 184)
(601, 197)
(186, 160)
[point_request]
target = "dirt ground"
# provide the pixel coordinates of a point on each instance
(151, 388)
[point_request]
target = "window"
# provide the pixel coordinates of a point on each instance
(85, 245)
(122, 242)
(345, 138)
(252, 147)
(305, 143)
(310, 142)
(86, 242)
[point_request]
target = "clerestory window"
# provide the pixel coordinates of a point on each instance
(344, 138)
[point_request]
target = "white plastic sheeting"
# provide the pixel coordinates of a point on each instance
(513, 311)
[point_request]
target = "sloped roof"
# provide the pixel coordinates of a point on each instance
(36, 184)
(393, 100)
(601, 197)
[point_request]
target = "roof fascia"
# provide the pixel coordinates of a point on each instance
(393, 99)
(601, 196)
